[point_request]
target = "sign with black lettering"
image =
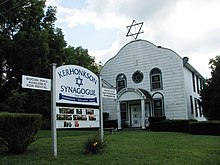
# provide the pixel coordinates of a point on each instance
(74, 117)
(36, 83)
(109, 93)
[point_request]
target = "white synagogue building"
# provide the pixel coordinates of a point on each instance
(151, 81)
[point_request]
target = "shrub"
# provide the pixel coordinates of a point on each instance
(152, 119)
(180, 125)
(171, 125)
(160, 126)
(205, 127)
(94, 145)
(110, 123)
(46, 123)
(2, 124)
(105, 115)
(19, 130)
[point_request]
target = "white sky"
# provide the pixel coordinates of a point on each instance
(189, 27)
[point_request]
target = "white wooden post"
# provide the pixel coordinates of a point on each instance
(143, 113)
(119, 115)
(101, 110)
(53, 111)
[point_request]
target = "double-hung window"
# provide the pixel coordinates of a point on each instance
(158, 107)
(156, 79)
(121, 82)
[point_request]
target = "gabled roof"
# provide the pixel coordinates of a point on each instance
(189, 67)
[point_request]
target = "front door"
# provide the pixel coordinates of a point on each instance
(136, 116)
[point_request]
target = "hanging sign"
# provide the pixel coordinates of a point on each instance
(36, 83)
(109, 93)
(72, 117)
(76, 85)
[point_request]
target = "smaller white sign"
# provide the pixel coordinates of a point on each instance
(109, 93)
(36, 83)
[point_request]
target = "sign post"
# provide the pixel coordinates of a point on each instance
(80, 90)
(101, 110)
(53, 112)
(104, 93)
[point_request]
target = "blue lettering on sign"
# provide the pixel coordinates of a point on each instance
(75, 90)
(75, 71)
(77, 99)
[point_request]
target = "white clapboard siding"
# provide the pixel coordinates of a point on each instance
(144, 56)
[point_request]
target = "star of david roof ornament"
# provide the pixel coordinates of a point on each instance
(134, 29)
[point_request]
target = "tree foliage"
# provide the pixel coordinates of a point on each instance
(79, 56)
(29, 43)
(210, 94)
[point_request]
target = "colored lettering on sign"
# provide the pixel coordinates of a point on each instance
(75, 90)
(76, 84)
(76, 71)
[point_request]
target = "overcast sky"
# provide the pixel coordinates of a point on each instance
(189, 27)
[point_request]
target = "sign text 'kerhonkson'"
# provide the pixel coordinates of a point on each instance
(77, 85)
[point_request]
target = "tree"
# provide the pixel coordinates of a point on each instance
(210, 94)
(80, 56)
(29, 43)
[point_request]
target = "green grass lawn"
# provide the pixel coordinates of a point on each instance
(123, 147)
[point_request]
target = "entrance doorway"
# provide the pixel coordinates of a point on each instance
(136, 116)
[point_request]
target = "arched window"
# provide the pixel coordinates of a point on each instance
(121, 82)
(156, 79)
(158, 104)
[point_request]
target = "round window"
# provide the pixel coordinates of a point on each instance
(137, 76)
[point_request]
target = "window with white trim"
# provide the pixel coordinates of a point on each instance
(121, 82)
(191, 104)
(193, 81)
(156, 79)
(196, 106)
(158, 107)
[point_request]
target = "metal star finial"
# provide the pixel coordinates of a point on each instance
(134, 26)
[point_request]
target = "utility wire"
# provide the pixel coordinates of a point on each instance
(16, 7)
(4, 2)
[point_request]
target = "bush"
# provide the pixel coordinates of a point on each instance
(171, 125)
(2, 124)
(94, 145)
(205, 127)
(180, 125)
(152, 119)
(160, 126)
(46, 123)
(105, 115)
(110, 124)
(19, 130)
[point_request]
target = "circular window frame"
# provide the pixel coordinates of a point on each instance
(137, 77)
